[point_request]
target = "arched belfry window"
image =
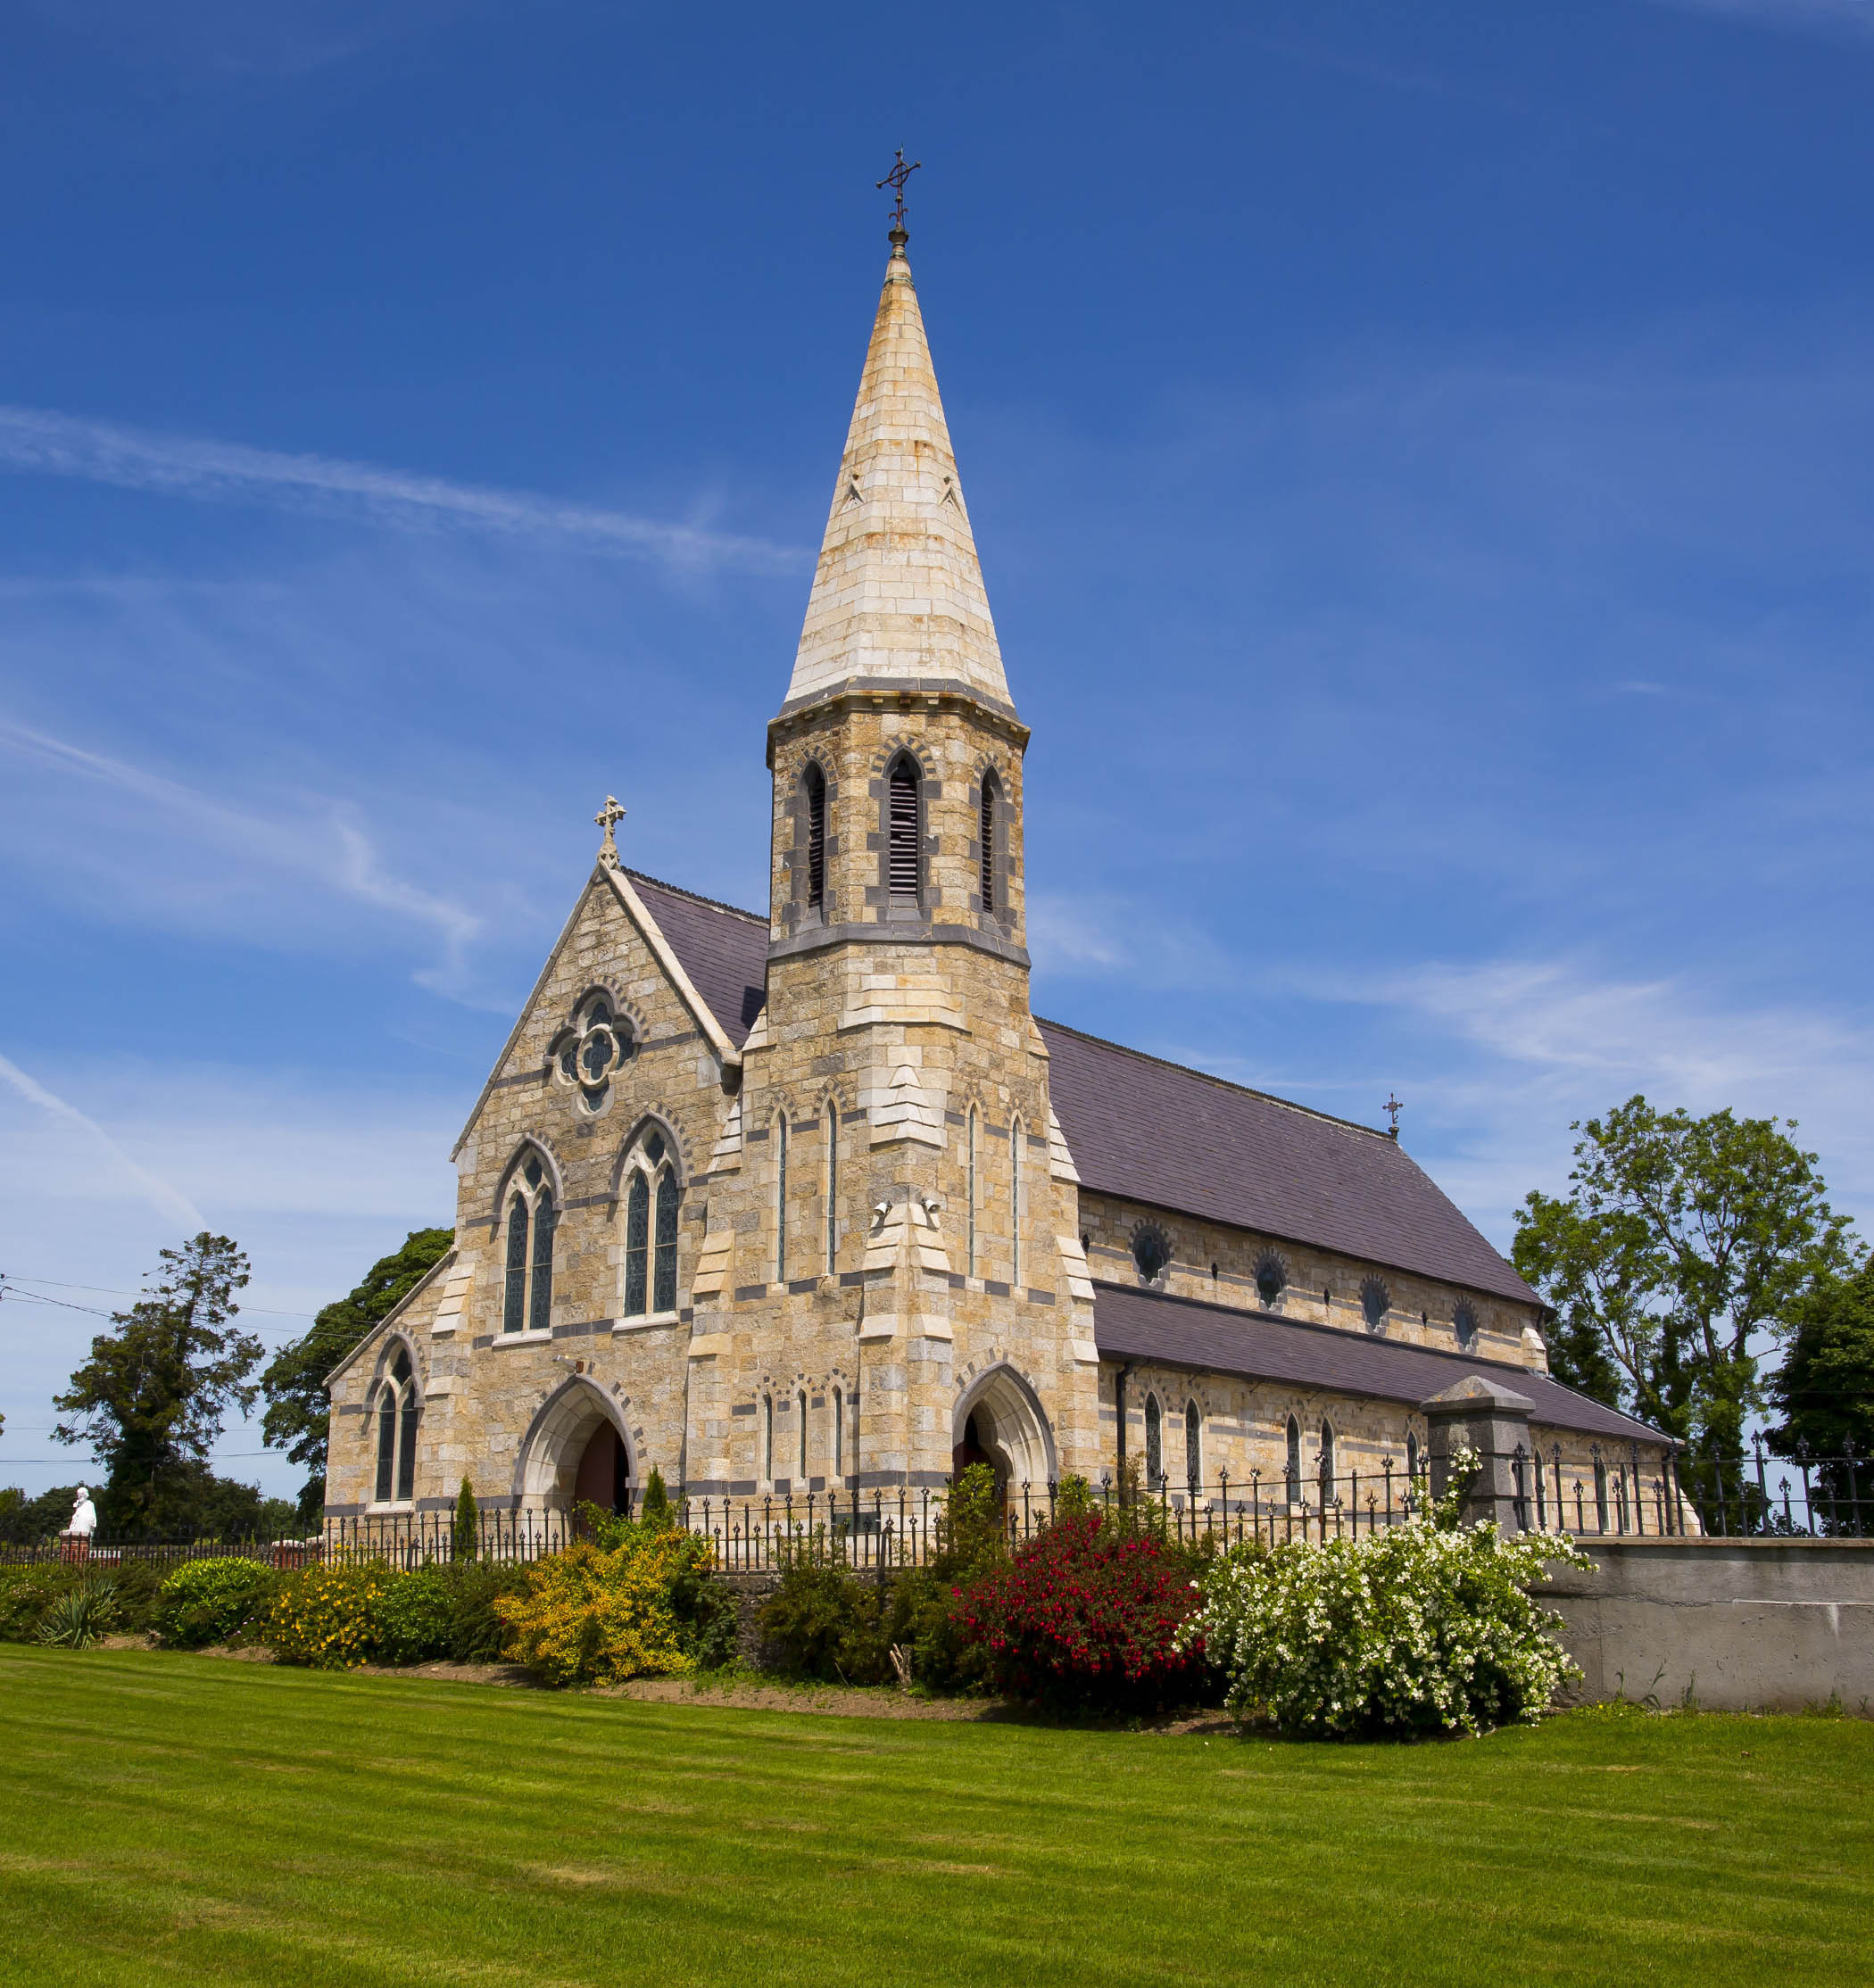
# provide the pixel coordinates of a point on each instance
(987, 825)
(816, 838)
(397, 1416)
(652, 1197)
(527, 1298)
(904, 858)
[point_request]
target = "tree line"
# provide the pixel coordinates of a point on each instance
(1693, 1275)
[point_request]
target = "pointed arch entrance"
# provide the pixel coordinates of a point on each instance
(576, 1449)
(1000, 1422)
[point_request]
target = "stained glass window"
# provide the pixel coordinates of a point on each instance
(637, 1245)
(387, 1444)
(664, 1297)
(1154, 1441)
(540, 1305)
(514, 1310)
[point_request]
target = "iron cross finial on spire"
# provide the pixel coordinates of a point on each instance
(608, 819)
(1394, 1106)
(895, 179)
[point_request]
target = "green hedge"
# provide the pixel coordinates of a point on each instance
(213, 1601)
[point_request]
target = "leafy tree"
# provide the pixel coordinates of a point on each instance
(29, 1521)
(298, 1409)
(1825, 1392)
(1682, 1239)
(151, 1399)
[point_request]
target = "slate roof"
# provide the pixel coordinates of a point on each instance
(724, 950)
(1156, 1132)
(1132, 1324)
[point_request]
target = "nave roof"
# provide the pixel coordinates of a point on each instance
(1147, 1131)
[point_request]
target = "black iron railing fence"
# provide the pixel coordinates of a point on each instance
(1612, 1494)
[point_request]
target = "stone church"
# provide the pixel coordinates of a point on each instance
(812, 1200)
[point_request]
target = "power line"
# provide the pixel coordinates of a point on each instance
(117, 1290)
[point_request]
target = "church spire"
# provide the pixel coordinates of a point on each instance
(898, 595)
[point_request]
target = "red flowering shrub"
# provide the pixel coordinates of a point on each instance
(1085, 1616)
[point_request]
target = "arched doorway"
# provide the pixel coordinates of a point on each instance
(604, 1473)
(576, 1449)
(999, 1423)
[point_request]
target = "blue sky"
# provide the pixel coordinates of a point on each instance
(1422, 457)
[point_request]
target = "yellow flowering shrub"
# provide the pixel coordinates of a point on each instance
(593, 1615)
(326, 1617)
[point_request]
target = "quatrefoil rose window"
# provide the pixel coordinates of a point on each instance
(594, 1050)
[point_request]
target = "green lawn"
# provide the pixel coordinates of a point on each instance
(169, 1818)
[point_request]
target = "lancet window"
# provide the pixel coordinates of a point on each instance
(815, 784)
(398, 1413)
(974, 1133)
(832, 1188)
(652, 1196)
(781, 1197)
(1017, 1193)
(1293, 1470)
(1193, 1448)
(904, 856)
(1154, 1442)
(527, 1298)
(986, 830)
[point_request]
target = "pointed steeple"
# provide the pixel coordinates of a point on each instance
(897, 596)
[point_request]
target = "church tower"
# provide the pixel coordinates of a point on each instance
(922, 1301)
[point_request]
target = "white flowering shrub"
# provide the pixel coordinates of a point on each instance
(1424, 1627)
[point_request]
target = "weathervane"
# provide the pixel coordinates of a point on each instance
(1393, 1105)
(608, 819)
(895, 179)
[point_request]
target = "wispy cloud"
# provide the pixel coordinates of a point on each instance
(1852, 17)
(161, 1195)
(34, 441)
(330, 844)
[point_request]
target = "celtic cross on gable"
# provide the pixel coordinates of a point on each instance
(608, 819)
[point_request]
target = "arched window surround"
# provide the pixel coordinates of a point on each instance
(830, 1175)
(778, 1140)
(530, 1203)
(814, 845)
(651, 1192)
(393, 1423)
(972, 1188)
(905, 794)
(992, 846)
(1017, 1199)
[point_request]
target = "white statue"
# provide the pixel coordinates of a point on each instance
(83, 1516)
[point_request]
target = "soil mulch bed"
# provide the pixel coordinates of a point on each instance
(753, 1696)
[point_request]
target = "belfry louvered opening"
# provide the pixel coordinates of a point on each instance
(904, 867)
(816, 839)
(987, 831)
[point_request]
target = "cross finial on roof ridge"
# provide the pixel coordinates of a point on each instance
(608, 819)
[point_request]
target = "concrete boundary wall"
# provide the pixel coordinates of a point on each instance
(1729, 1625)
